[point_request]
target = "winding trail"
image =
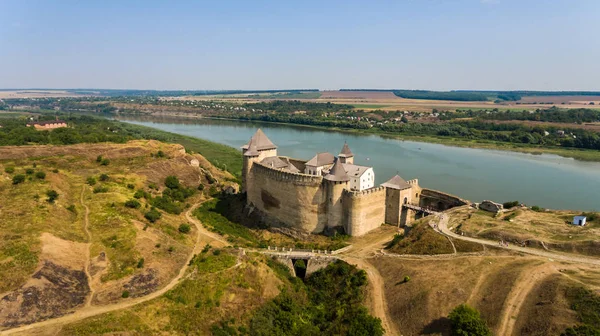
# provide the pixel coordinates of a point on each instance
(89, 311)
(88, 263)
(516, 298)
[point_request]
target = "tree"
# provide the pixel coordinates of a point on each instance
(172, 182)
(465, 321)
(19, 178)
(184, 228)
(52, 195)
(153, 215)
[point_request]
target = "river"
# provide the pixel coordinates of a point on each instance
(548, 181)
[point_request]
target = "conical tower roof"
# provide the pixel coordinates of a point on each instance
(252, 150)
(396, 182)
(261, 141)
(346, 152)
(337, 173)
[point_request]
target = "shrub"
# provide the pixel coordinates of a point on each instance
(172, 182)
(91, 181)
(509, 205)
(160, 154)
(537, 208)
(99, 158)
(140, 263)
(52, 195)
(125, 294)
(105, 162)
(139, 194)
(465, 320)
(185, 228)
(9, 170)
(130, 186)
(100, 189)
(34, 165)
(133, 203)
(406, 279)
(72, 208)
(171, 249)
(41, 175)
(153, 186)
(29, 171)
(19, 178)
(103, 177)
(55, 171)
(201, 187)
(153, 215)
(216, 252)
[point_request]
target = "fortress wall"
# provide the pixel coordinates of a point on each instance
(363, 210)
(296, 200)
(439, 200)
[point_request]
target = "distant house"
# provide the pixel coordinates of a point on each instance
(46, 125)
(579, 220)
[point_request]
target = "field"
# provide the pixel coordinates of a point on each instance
(68, 238)
(36, 93)
(546, 229)
(578, 100)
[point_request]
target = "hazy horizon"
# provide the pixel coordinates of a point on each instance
(265, 45)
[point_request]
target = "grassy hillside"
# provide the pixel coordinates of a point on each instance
(45, 193)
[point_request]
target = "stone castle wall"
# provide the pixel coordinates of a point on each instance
(363, 210)
(439, 201)
(297, 200)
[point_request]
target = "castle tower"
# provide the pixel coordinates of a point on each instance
(397, 193)
(335, 182)
(346, 155)
(258, 148)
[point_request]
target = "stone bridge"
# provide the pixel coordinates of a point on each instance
(313, 261)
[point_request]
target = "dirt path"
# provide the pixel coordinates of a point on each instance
(88, 264)
(443, 228)
(378, 305)
(518, 294)
(202, 235)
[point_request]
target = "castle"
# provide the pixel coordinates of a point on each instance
(324, 193)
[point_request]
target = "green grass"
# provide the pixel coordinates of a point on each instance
(235, 233)
(370, 106)
(421, 239)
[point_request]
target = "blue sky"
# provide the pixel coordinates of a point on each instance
(411, 44)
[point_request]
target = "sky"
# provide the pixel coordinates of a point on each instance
(327, 44)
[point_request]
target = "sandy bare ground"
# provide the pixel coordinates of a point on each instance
(203, 237)
(37, 94)
(86, 223)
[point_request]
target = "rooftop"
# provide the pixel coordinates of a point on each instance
(321, 159)
(261, 141)
(337, 173)
(280, 163)
(354, 170)
(346, 152)
(396, 182)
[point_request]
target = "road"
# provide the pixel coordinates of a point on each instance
(443, 228)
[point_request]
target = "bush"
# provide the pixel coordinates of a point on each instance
(140, 263)
(171, 249)
(139, 194)
(29, 171)
(100, 189)
(509, 205)
(133, 204)
(52, 195)
(172, 182)
(9, 170)
(19, 178)
(55, 171)
(103, 177)
(130, 186)
(99, 158)
(72, 208)
(537, 208)
(160, 154)
(91, 181)
(465, 321)
(185, 228)
(125, 294)
(105, 162)
(153, 215)
(406, 279)
(41, 175)
(216, 252)
(201, 187)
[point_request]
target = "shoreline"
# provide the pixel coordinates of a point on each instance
(585, 155)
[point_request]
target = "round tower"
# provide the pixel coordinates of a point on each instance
(335, 182)
(258, 148)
